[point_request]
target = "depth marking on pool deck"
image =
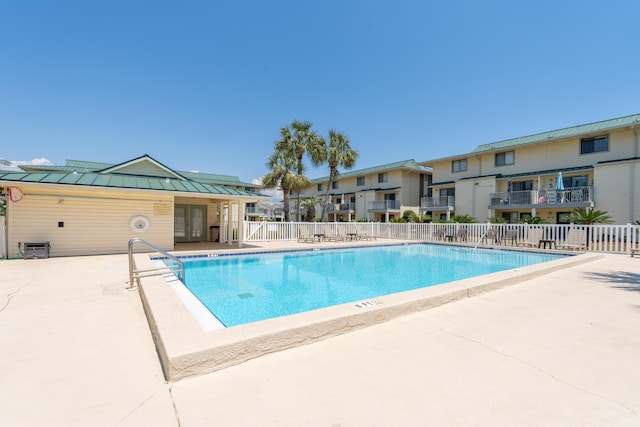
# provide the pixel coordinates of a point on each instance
(367, 303)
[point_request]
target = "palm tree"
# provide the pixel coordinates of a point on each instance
(338, 152)
(310, 203)
(281, 163)
(464, 219)
(533, 220)
(298, 139)
(589, 216)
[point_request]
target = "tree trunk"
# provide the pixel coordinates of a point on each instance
(327, 197)
(285, 204)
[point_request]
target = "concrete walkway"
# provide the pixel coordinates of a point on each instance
(559, 350)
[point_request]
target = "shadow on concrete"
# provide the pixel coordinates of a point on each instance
(619, 279)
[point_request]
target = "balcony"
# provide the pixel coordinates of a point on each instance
(442, 203)
(572, 197)
(384, 206)
(341, 208)
(293, 210)
(253, 210)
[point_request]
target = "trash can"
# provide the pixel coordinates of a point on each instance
(214, 230)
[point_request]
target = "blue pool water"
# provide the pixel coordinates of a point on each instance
(247, 288)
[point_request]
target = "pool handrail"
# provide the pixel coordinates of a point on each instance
(135, 274)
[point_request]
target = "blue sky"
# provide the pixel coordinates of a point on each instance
(206, 85)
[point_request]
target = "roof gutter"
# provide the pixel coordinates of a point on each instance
(221, 197)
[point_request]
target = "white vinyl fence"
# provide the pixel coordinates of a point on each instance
(612, 238)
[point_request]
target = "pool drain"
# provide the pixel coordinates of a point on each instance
(245, 296)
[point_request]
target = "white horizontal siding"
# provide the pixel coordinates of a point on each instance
(145, 169)
(614, 190)
(92, 225)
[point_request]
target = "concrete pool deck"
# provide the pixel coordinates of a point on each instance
(560, 349)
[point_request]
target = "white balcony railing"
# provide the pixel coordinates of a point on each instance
(575, 196)
(437, 203)
(384, 205)
(341, 207)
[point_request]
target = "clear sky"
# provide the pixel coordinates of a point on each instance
(206, 85)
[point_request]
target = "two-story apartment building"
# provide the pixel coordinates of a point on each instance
(546, 175)
(380, 193)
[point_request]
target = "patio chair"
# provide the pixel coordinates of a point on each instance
(552, 197)
(304, 236)
(461, 235)
(576, 196)
(534, 235)
(511, 235)
(439, 234)
(491, 235)
(575, 240)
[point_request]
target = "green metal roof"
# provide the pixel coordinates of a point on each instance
(520, 175)
(591, 128)
(404, 164)
(92, 179)
(85, 166)
(90, 166)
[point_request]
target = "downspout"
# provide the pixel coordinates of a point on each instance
(475, 187)
(4, 242)
(632, 186)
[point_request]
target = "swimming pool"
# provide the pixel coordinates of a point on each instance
(186, 347)
(248, 288)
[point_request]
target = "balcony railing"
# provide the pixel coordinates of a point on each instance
(437, 203)
(384, 205)
(293, 210)
(253, 210)
(341, 208)
(569, 197)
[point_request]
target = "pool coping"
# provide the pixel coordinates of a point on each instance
(185, 350)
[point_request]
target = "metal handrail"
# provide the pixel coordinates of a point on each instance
(134, 273)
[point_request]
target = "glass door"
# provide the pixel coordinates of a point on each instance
(190, 223)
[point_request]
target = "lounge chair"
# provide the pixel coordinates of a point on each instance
(461, 235)
(330, 235)
(304, 235)
(533, 237)
(362, 234)
(439, 234)
(341, 234)
(575, 240)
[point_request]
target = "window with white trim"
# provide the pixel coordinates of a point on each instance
(594, 144)
(506, 158)
(459, 165)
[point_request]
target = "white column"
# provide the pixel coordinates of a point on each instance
(229, 223)
(241, 208)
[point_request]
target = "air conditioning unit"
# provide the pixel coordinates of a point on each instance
(36, 250)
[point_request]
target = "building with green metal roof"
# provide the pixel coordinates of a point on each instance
(545, 175)
(85, 208)
(378, 193)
